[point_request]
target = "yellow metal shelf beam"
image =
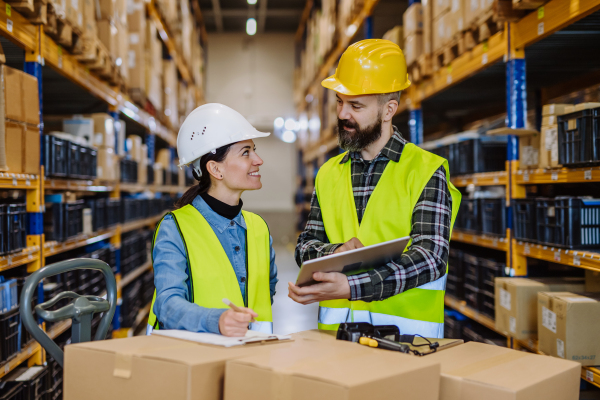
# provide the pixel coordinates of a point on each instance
(482, 179)
(18, 181)
(461, 306)
(78, 186)
(490, 242)
(564, 175)
(23, 257)
(133, 275)
(17, 28)
(20, 358)
(53, 248)
(574, 258)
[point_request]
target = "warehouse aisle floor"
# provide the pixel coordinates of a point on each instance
(289, 316)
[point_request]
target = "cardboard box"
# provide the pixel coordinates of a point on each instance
(149, 367)
(312, 369)
(516, 303)
(584, 106)
(568, 326)
(475, 371)
(163, 157)
(170, 99)
(549, 120)
(549, 147)
(123, 51)
(442, 28)
(554, 109)
(31, 150)
(136, 16)
(457, 10)
(108, 9)
(134, 147)
(395, 35)
(135, 61)
(108, 34)
(529, 150)
(13, 147)
(81, 128)
(104, 129)
(440, 7)
(158, 174)
(427, 26)
(413, 47)
(107, 164)
(30, 98)
(89, 19)
(413, 19)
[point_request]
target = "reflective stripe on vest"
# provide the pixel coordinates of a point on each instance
(212, 275)
(388, 216)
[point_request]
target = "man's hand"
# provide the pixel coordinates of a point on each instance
(351, 244)
(332, 286)
(233, 323)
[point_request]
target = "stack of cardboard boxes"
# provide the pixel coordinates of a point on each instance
(548, 148)
(19, 122)
(112, 32)
(136, 56)
(153, 67)
(170, 99)
(413, 33)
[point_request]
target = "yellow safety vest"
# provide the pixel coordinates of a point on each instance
(211, 274)
(388, 216)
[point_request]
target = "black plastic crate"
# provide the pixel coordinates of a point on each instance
(132, 303)
(455, 265)
(74, 160)
(486, 304)
(150, 174)
(55, 156)
(26, 337)
(472, 296)
(11, 392)
(455, 287)
(113, 212)
(569, 222)
(54, 380)
(3, 233)
(54, 228)
(472, 269)
(88, 159)
(493, 216)
(16, 231)
(524, 219)
(470, 215)
(10, 338)
(129, 171)
(489, 270)
(579, 145)
(453, 324)
(73, 214)
(34, 387)
(485, 154)
(98, 207)
(147, 287)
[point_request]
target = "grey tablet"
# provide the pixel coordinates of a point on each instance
(353, 261)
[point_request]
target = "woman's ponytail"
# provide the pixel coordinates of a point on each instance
(204, 181)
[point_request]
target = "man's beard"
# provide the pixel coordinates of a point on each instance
(361, 137)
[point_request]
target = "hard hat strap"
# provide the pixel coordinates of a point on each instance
(196, 167)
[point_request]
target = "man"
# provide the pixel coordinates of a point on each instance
(381, 188)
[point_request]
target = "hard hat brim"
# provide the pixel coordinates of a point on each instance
(334, 84)
(253, 134)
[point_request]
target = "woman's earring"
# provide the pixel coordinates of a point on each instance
(221, 176)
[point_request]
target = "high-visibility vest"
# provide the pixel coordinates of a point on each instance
(211, 274)
(388, 216)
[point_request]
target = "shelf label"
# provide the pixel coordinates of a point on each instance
(526, 177)
(589, 375)
(9, 25)
(548, 319)
(557, 256)
(587, 175)
(7, 368)
(541, 12)
(496, 180)
(554, 176)
(14, 182)
(27, 182)
(484, 59)
(475, 239)
(449, 79)
(8, 11)
(495, 242)
(60, 60)
(527, 250)
(576, 260)
(540, 28)
(560, 348)
(474, 181)
(512, 324)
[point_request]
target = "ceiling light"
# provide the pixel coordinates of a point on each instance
(290, 124)
(251, 26)
(278, 122)
(288, 137)
(251, 1)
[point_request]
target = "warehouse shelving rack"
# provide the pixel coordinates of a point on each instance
(42, 51)
(509, 46)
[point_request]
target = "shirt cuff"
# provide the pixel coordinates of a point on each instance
(329, 248)
(361, 287)
(212, 322)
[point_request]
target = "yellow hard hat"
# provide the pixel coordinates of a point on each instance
(371, 66)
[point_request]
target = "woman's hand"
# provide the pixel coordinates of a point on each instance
(234, 323)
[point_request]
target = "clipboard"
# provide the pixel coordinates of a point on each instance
(353, 261)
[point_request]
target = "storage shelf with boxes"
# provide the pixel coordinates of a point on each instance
(101, 127)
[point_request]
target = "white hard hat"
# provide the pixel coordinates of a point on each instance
(209, 127)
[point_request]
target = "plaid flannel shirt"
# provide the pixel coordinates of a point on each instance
(426, 258)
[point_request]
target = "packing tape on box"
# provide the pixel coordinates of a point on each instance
(487, 364)
(124, 359)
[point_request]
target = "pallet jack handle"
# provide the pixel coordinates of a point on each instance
(81, 310)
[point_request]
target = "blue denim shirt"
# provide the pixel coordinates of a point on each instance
(172, 306)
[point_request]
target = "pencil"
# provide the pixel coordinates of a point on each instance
(235, 308)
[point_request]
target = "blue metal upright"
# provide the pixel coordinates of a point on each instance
(368, 27)
(415, 124)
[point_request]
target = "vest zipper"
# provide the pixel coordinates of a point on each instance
(247, 277)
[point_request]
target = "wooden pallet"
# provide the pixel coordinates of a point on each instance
(138, 96)
(528, 4)
(421, 69)
(482, 29)
(448, 52)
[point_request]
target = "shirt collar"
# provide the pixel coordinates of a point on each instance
(217, 222)
(392, 150)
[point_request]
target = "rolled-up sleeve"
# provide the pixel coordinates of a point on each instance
(172, 306)
(273, 271)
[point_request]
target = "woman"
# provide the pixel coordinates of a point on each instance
(208, 249)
